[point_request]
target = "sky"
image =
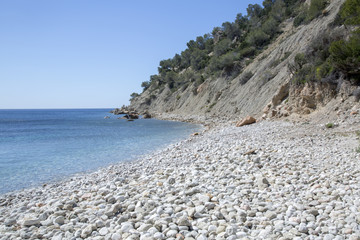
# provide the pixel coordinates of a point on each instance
(95, 53)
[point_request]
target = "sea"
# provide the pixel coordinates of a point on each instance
(40, 146)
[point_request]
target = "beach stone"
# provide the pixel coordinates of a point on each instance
(100, 223)
(116, 236)
(86, 231)
(262, 182)
(171, 181)
(144, 227)
(104, 231)
(30, 221)
(59, 220)
(303, 228)
(200, 209)
(183, 221)
(159, 235)
(171, 233)
(126, 227)
(270, 215)
(10, 222)
(313, 212)
(203, 198)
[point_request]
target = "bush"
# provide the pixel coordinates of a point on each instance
(247, 52)
(222, 47)
(145, 85)
(133, 96)
(350, 12)
(315, 9)
(258, 38)
(345, 55)
(246, 77)
(300, 19)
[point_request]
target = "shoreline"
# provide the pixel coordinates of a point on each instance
(27, 181)
(271, 179)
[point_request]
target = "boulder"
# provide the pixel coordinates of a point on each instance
(133, 116)
(146, 115)
(246, 121)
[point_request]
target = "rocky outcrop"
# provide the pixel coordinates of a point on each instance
(246, 121)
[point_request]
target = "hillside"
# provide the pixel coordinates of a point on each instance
(281, 60)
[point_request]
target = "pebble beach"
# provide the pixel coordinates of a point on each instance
(269, 180)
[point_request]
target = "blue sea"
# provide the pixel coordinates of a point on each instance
(39, 146)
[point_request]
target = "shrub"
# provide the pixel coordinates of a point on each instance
(329, 125)
(315, 9)
(247, 52)
(133, 96)
(300, 19)
(350, 12)
(145, 85)
(258, 38)
(222, 47)
(345, 55)
(286, 55)
(246, 77)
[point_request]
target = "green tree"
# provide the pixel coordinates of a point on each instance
(345, 55)
(165, 66)
(133, 96)
(222, 47)
(176, 61)
(315, 9)
(145, 85)
(199, 59)
(270, 27)
(258, 38)
(350, 12)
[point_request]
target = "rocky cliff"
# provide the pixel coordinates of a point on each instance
(263, 88)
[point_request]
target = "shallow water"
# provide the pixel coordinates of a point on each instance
(38, 146)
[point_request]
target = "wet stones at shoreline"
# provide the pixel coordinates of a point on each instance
(130, 113)
(269, 180)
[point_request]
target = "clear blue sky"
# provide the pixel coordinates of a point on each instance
(94, 54)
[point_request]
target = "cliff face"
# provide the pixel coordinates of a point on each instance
(262, 86)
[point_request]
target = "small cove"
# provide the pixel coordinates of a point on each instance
(38, 146)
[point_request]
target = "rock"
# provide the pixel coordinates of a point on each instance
(203, 198)
(144, 227)
(171, 181)
(146, 115)
(100, 223)
(262, 182)
(171, 233)
(126, 227)
(86, 231)
(270, 215)
(183, 221)
(246, 121)
(116, 236)
(30, 221)
(9, 222)
(103, 231)
(314, 212)
(159, 235)
(303, 228)
(114, 209)
(59, 220)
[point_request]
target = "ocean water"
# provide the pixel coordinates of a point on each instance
(38, 146)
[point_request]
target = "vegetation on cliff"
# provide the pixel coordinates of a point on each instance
(226, 69)
(229, 48)
(333, 55)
